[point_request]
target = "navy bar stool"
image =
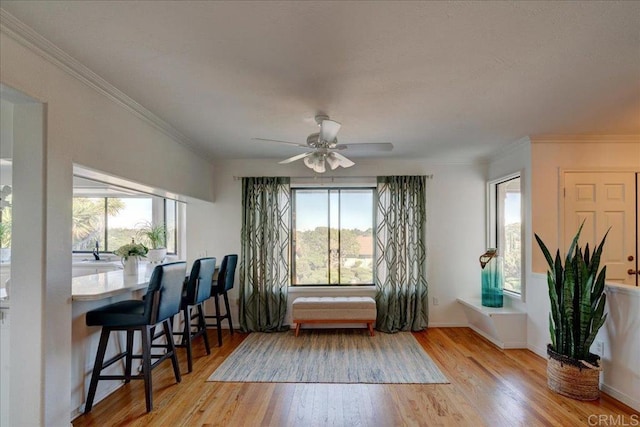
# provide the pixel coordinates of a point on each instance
(197, 290)
(224, 283)
(160, 304)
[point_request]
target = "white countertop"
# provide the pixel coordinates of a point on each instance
(103, 285)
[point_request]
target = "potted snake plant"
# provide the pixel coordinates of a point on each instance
(576, 293)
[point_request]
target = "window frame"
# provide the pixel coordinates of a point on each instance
(492, 224)
(328, 189)
(162, 208)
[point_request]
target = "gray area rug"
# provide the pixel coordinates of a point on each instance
(330, 356)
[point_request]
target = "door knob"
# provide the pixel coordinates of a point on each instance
(631, 272)
(630, 258)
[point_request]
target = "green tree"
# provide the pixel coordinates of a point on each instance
(511, 258)
(5, 227)
(318, 253)
(88, 216)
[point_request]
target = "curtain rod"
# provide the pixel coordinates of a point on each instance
(238, 178)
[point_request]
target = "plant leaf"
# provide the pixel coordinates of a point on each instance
(598, 321)
(598, 287)
(545, 251)
(554, 314)
(552, 333)
(568, 309)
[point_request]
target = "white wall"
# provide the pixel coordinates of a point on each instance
(455, 220)
(6, 133)
(84, 127)
(542, 163)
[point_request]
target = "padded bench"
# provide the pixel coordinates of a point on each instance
(334, 310)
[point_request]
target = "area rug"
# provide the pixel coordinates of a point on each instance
(329, 356)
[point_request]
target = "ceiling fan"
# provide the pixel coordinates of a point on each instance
(324, 147)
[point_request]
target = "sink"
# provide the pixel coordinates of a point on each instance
(87, 267)
(97, 263)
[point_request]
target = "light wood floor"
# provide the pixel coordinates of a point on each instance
(488, 387)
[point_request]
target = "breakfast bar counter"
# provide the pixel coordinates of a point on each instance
(99, 286)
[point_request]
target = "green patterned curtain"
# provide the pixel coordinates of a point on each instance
(264, 262)
(400, 254)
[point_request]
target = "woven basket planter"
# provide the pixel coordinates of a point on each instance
(578, 379)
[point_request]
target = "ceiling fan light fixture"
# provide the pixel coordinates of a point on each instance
(342, 160)
(324, 144)
(319, 166)
(333, 161)
(309, 161)
(329, 130)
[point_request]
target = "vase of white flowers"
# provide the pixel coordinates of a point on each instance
(130, 255)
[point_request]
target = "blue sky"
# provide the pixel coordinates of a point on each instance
(512, 208)
(312, 206)
(135, 211)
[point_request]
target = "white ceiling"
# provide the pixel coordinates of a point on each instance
(441, 80)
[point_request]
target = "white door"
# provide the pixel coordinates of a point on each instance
(604, 201)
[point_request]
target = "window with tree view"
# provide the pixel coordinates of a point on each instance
(332, 236)
(508, 231)
(113, 221)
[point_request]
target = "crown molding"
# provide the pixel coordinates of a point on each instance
(502, 152)
(26, 36)
(578, 138)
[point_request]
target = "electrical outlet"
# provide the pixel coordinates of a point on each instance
(435, 301)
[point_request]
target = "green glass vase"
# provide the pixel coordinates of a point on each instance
(492, 279)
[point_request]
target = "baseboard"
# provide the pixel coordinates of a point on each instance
(448, 325)
(542, 352)
(622, 397)
(486, 336)
(99, 398)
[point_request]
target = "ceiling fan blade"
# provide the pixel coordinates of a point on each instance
(282, 142)
(366, 146)
(294, 158)
(329, 130)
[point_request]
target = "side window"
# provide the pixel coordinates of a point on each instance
(109, 216)
(505, 228)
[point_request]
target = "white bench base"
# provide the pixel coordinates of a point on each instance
(506, 327)
(334, 310)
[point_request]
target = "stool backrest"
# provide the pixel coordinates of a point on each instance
(227, 273)
(200, 279)
(164, 293)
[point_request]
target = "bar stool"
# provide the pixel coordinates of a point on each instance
(160, 304)
(224, 283)
(197, 290)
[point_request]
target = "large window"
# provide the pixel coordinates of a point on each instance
(113, 220)
(505, 228)
(332, 236)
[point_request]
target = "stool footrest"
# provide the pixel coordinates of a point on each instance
(114, 359)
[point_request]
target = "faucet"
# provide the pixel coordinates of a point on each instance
(96, 253)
